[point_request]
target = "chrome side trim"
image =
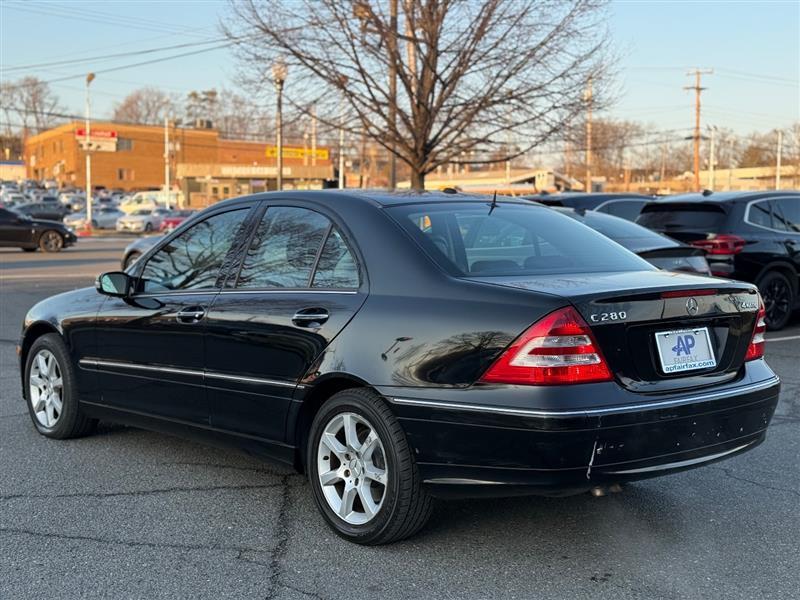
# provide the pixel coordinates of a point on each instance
(216, 291)
(679, 464)
(95, 363)
(225, 377)
(588, 412)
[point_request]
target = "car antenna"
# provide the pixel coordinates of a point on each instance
(493, 205)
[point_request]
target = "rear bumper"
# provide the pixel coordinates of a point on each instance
(466, 450)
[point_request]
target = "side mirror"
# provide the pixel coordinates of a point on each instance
(115, 283)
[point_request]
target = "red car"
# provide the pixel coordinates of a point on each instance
(175, 218)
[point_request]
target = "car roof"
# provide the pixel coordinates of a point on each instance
(725, 197)
(378, 198)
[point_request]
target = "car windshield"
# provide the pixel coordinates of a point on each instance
(687, 216)
(634, 237)
(511, 239)
(141, 212)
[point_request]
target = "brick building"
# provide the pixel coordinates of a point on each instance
(203, 165)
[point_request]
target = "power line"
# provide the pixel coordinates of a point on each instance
(146, 62)
(113, 56)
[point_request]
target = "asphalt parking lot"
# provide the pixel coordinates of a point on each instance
(127, 513)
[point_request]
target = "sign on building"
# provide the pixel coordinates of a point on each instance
(101, 140)
(297, 152)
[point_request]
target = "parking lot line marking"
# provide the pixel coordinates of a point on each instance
(784, 338)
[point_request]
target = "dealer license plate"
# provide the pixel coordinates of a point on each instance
(685, 350)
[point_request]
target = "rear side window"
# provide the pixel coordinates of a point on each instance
(511, 239)
(298, 248)
(193, 259)
(760, 213)
(625, 209)
(787, 213)
(284, 249)
(336, 267)
(666, 216)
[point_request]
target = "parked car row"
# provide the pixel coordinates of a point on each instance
(397, 347)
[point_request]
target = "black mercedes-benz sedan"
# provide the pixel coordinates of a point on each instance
(400, 347)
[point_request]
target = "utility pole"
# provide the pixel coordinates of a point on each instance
(712, 159)
(279, 73)
(89, 79)
(778, 161)
(314, 136)
(341, 146)
(663, 163)
(392, 91)
(166, 161)
(698, 73)
(588, 98)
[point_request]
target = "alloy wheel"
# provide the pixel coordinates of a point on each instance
(52, 241)
(46, 388)
(777, 300)
(352, 468)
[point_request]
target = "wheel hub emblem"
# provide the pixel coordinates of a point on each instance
(355, 467)
(691, 306)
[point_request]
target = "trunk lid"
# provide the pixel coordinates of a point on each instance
(625, 311)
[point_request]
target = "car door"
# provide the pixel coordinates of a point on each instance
(14, 231)
(299, 285)
(150, 355)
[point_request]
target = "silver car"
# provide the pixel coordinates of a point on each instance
(142, 220)
(102, 218)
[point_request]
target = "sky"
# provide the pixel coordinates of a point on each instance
(753, 47)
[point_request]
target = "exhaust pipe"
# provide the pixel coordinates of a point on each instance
(599, 491)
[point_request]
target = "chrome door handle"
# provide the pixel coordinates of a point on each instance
(192, 314)
(310, 316)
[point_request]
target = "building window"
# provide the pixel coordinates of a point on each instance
(125, 174)
(124, 144)
(226, 190)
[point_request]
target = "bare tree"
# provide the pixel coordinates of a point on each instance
(470, 74)
(147, 106)
(33, 103)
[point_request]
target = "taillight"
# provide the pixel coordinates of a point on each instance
(756, 348)
(558, 349)
(721, 244)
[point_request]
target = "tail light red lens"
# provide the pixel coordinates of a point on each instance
(559, 349)
(721, 244)
(756, 348)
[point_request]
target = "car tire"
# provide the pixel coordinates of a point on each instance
(779, 297)
(375, 513)
(51, 391)
(130, 259)
(51, 241)
(148, 227)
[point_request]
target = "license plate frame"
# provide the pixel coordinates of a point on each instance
(691, 361)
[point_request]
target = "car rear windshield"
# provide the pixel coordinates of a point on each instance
(511, 239)
(634, 237)
(666, 216)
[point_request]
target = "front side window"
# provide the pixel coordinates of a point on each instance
(476, 239)
(193, 260)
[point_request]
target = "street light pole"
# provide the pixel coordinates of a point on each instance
(279, 72)
(166, 161)
(89, 79)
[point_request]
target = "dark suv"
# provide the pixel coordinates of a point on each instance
(751, 236)
(623, 205)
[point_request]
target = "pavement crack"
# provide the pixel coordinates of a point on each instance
(282, 536)
(303, 592)
(140, 493)
(729, 473)
(127, 543)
